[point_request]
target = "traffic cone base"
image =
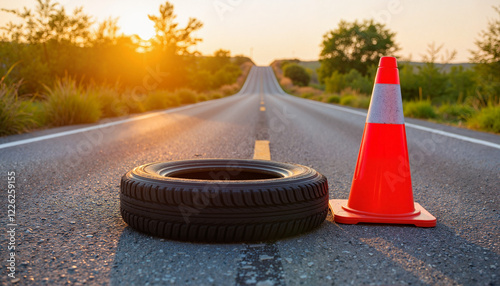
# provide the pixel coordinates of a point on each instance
(343, 214)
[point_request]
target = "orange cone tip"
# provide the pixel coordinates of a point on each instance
(381, 190)
(387, 71)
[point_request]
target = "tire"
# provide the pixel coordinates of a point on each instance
(223, 200)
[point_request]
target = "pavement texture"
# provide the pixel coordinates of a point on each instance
(69, 229)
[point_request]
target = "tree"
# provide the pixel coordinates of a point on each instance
(489, 43)
(107, 33)
(217, 61)
(355, 46)
(214, 71)
(487, 57)
(169, 37)
(50, 22)
(432, 79)
(171, 47)
(335, 83)
(297, 74)
(48, 42)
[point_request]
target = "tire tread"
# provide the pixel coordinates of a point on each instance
(139, 198)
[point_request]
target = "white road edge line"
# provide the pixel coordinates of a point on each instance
(415, 126)
(65, 133)
(85, 129)
(453, 135)
(80, 130)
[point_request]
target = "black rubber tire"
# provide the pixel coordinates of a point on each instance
(257, 200)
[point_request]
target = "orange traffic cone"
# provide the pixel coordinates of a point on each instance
(381, 189)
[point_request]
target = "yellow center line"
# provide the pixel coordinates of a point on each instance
(261, 151)
(262, 108)
(262, 102)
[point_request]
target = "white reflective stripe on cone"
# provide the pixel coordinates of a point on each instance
(386, 105)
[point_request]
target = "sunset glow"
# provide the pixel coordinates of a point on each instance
(139, 27)
(268, 30)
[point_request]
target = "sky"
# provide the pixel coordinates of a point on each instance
(276, 29)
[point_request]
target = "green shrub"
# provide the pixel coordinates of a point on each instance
(226, 75)
(347, 100)
(307, 95)
(317, 86)
(215, 95)
(363, 102)
(297, 74)
(487, 119)
(134, 102)
(15, 114)
(419, 109)
(36, 109)
(228, 89)
(69, 103)
(110, 101)
(335, 83)
(158, 99)
(186, 95)
(202, 97)
(333, 99)
(173, 100)
(356, 81)
(455, 112)
(358, 101)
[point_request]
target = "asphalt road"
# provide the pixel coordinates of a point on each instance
(69, 229)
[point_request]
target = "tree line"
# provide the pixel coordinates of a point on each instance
(51, 43)
(57, 69)
(466, 95)
(350, 54)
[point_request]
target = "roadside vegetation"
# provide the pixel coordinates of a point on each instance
(465, 95)
(61, 68)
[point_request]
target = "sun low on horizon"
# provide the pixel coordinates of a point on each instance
(279, 29)
(133, 21)
(139, 27)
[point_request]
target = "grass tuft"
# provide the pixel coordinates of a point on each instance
(15, 114)
(186, 95)
(487, 119)
(109, 101)
(333, 99)
(202, 97)
(215, 95)
(67, 102)
(419, 109)
(455, 113)
(159, 99)
(229, 89)
(358, 101)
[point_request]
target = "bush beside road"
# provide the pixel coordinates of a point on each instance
(464, 113)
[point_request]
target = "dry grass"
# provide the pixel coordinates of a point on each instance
(68, 102)
(15, 114)
(229, 89)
